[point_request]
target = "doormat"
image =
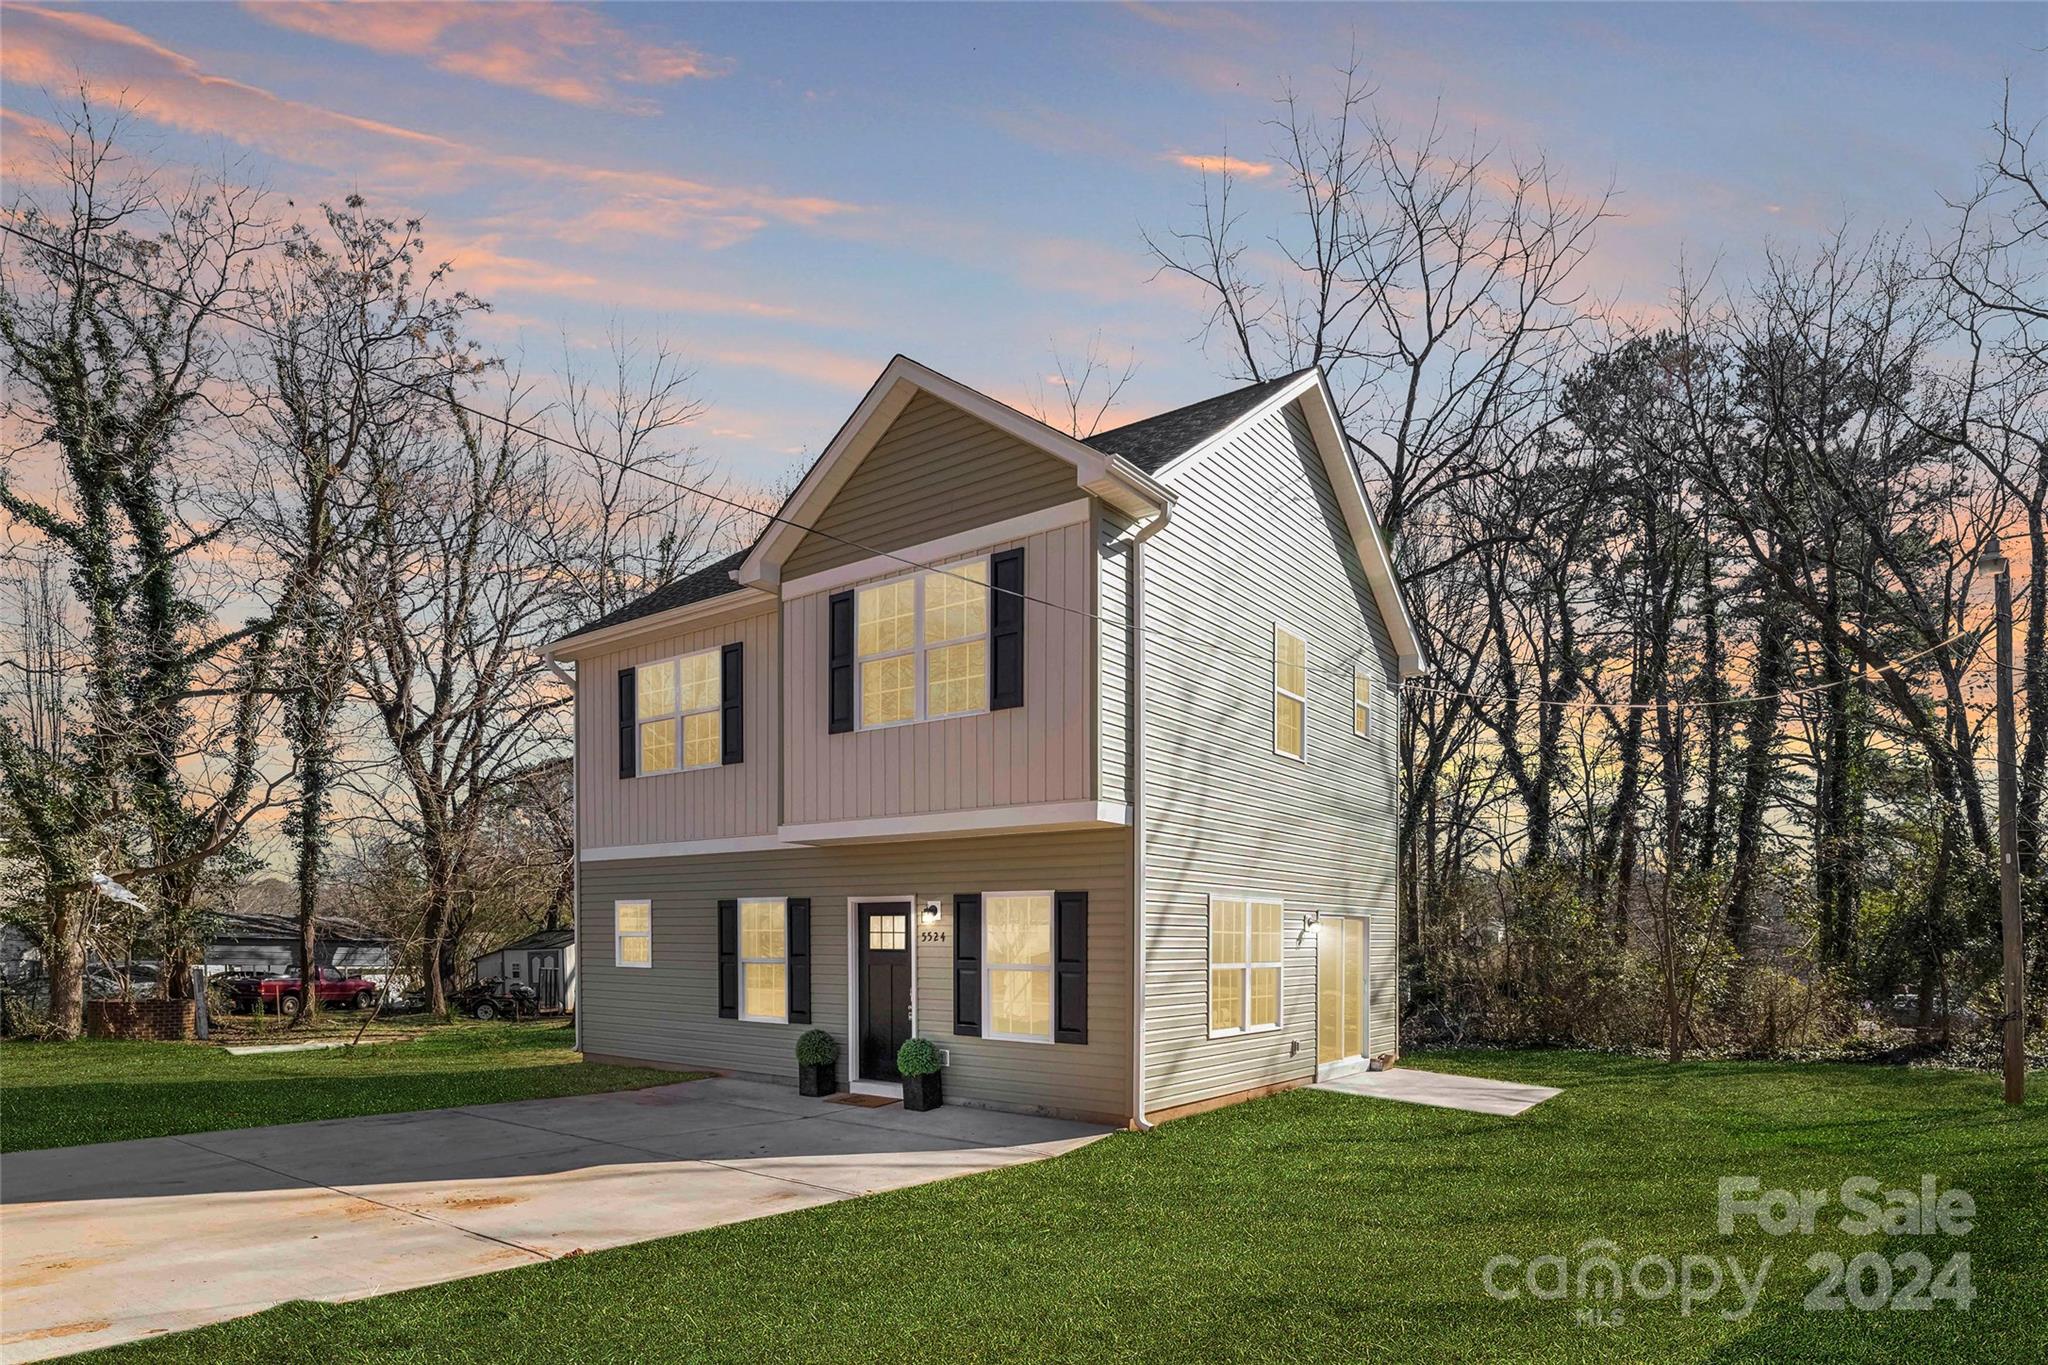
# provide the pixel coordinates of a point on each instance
(865, 1101)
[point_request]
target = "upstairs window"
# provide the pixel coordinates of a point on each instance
(677, 707)
(1244, 964)
(1290, 691)
(1361, 702)
(921, 644)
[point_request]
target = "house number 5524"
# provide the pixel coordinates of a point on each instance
(931, 936)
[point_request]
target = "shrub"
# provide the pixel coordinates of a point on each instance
(917, 1058)
(817, 1048)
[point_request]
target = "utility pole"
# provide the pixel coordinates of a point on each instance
(1995, 562)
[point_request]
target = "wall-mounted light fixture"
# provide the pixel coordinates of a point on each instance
(930, 913)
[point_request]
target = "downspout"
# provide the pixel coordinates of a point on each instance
(576, 851)
(1136, 783)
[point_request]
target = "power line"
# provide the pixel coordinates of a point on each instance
(447, 397)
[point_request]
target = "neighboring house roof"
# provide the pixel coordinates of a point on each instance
(246, 926)
(700, 585)
(1156, 441)
(539, 938)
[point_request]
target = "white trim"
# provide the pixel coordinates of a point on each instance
(1052, 815)
(1351, 1062)
(1247, 899)
(1114, 480)
(691, 616)
(1052, 1023)
(1279, 691)
(618, 937)
(959, 545)
(688, 848)
(854, 1083)
(1328, 429)
(740, 932)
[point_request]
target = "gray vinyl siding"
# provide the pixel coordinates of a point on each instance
(668, 1012)
(1257, 536)
(1113, 666)
(1040, 752)
(936, 471)
(728, 801)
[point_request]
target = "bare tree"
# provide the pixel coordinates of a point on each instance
(110, 297)
(1087, 387)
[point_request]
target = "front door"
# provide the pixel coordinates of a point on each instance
(883, 932)
(1340, 991)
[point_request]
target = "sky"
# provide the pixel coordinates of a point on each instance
(793, 194)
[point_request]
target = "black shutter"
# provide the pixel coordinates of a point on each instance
(967, 965)
(728, 959)
(839, 674)
(799, 960)
(732, 720)
(1006, 630)
(1070, 967)
(629, 745)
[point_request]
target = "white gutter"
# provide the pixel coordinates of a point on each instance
(576, 850)
(1136, 785)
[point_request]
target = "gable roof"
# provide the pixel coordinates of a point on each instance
(1156, 441)
(699, 585)
(539, 938)
(1113, 479)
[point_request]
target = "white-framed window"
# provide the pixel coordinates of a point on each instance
(921, 645)
(1290, 692)
(764, 960)
(1016, 966)
(676, 704)
(632, 934)
(1361, 701)
(1244, 963)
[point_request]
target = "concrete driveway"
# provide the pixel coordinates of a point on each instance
(123, 1240)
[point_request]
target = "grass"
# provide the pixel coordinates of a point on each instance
(1307, 1226)
(57, 1094)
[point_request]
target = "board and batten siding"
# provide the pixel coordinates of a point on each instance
(723, 802)
(1042, 751)
(936, 471)
(669, 1012)
(1257, 537)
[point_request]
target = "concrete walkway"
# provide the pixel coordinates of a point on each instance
(123, 1240)
(1475, 1094)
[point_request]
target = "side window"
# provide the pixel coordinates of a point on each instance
(632, 934)
(1244, 964)
(1016, 929)
(921, 645)
(1361, 701)
(1290, 692)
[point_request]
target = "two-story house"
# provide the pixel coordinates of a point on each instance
(1075, 757)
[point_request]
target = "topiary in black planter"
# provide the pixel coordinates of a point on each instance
(919, 1062)
(817, 1054)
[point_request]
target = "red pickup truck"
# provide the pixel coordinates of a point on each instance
(281, 994)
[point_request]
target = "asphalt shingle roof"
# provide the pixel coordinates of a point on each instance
(713, 580)
(1155, 441)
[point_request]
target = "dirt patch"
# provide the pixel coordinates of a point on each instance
(468, 1203)
(67, 1329)
(48, 1270)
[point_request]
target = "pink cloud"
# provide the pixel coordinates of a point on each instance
(568, 53)
(49, 47)
(1220, 164)
(481, 268)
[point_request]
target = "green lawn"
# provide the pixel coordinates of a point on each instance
(1308, 1226)
(56, 1094)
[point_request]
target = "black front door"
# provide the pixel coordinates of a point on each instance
(884, 938)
